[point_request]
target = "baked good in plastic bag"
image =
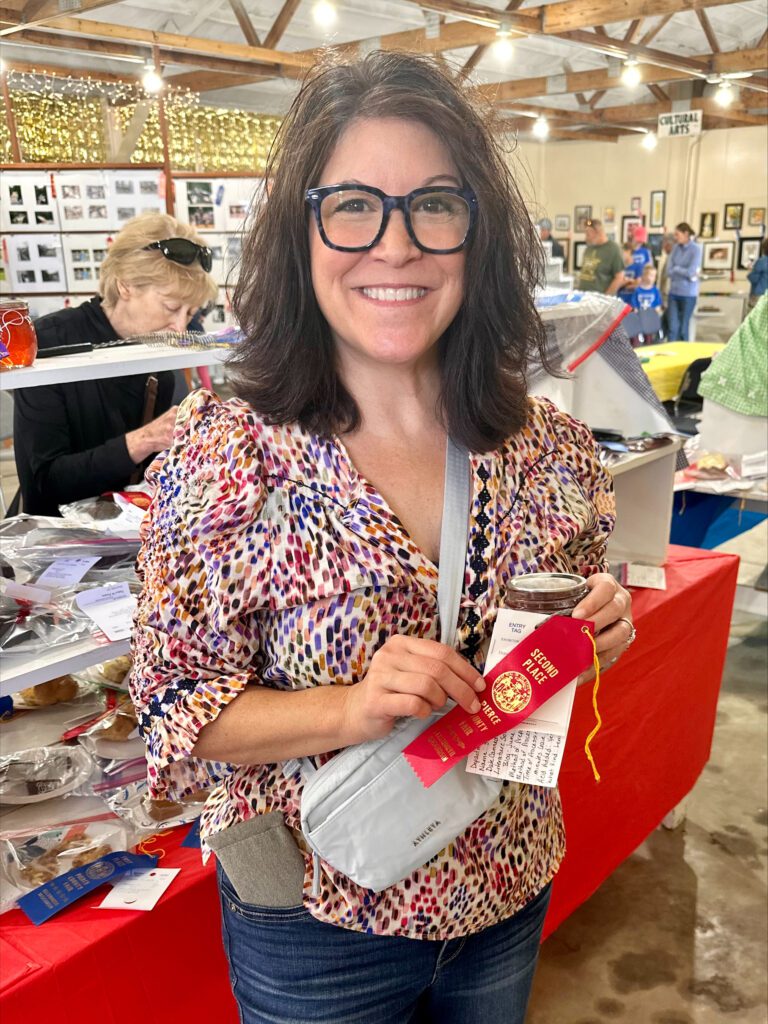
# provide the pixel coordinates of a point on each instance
(116, 736)
(134, 805)
(36, 856)
(28, 776)
(55, 691)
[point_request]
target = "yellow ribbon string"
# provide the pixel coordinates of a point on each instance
(598, 719)
(146, 844)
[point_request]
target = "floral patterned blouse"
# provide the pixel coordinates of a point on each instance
(267, 559)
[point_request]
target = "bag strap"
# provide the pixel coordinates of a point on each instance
(453, 538)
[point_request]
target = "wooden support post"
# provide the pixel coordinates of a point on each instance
(10, 117)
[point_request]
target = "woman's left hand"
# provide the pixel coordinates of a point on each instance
(609, 606)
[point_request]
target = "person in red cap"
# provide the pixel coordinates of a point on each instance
(641, 254)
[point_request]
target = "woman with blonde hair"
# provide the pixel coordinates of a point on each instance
(76, 440)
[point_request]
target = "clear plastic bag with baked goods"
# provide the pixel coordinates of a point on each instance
(32, 857)
(115, 737)
(40, 773)
(120, 513)
(134, 805)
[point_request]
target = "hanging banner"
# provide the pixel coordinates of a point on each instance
(681, 123)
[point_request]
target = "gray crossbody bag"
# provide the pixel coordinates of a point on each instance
(365, 812)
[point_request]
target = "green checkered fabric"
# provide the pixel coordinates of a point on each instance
(738, 376)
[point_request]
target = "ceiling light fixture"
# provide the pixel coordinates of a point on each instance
(151, 81)
(324, 14)
(502, 47)
(724, 95)
(631, 76)
(541, 127)
(650, 141)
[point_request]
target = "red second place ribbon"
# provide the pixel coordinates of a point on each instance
(540, 665)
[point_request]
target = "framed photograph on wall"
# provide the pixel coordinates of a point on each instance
(655, 242)
(756, 218)
(609, 215)
(636, 204)
(628, 223)
(581, 214)
(562, 222)
(566, 243)
(749, 250)
(733, 215)
(579, 248)
(657, 209)
(718, 255)
(707, 225)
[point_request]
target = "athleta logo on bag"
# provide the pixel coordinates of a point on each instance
(427, 831)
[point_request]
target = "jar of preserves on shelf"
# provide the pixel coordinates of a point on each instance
(546, 593)
(18, 341)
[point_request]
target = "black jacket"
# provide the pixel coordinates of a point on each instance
(69, 439)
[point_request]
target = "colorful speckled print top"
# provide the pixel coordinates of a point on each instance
(268, 559)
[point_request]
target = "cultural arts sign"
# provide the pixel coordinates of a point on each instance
(680, 123)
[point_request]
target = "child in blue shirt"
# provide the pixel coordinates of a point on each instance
(646, 296)
(631, 273)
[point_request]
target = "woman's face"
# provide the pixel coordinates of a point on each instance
(148, 309)
(682, 237)
(391, 304)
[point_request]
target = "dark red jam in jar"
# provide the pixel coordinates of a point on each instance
(18, 341)
(546, 593)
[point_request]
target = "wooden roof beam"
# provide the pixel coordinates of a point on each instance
(708, 31)
(657, 28)
(524, 88)
(245, 23)
(280, 24)
(38, 12)
(188, 44)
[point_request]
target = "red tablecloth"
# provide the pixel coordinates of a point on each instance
(90, 966)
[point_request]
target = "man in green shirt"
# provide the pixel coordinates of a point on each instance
(602, 269)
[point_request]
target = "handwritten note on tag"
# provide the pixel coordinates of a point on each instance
(111, 608)
(66, 572)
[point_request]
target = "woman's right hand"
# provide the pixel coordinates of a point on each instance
(409, 677)
(155, 437)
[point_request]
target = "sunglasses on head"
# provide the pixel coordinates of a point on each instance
(183, 251)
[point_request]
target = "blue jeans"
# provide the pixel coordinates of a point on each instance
(288, 968)
(679, 312)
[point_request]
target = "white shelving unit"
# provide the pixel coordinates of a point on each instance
(109, 362)
(17, 672)
(643, 485)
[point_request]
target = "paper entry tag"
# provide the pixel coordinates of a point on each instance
(66, 572)
(533, 752)
(111, 608)
(139, 890)
(538, 667)
(652, 577)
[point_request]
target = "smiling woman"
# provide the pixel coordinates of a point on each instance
(290, 578)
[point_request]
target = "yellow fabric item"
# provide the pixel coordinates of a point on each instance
(666, 364)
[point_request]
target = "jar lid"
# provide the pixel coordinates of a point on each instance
(13, 304)
(549, 582)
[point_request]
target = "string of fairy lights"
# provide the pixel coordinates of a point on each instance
(66, 119)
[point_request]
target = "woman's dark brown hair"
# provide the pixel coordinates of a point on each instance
(684, 226)
(286, 366)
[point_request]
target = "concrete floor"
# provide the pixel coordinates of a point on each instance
(679, 933)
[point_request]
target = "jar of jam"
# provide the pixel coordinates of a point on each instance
(18, 341)
(546, 593)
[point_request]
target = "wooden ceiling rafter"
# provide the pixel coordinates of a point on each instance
(281, 23)
(246, 25)
(39, 12)
(708, 31)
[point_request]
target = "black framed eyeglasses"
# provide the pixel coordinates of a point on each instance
(184, 251)
(353, 218)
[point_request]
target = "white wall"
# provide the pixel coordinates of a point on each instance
(699, 174)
